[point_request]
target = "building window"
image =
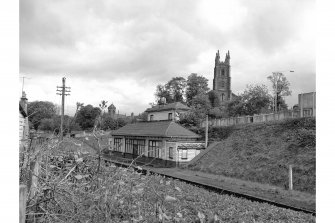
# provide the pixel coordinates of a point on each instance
(184, 154)
(151, 117)
(171, 152)
(222, 97)
(307, 112)
(154, 148)
(135, 146)
(118, 144)
(222, 72)
(139, 145)
(170, 116)
(129, 146)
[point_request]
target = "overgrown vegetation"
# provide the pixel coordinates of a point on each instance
(262, 153)
(71, 188)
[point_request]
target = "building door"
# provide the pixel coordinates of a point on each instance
(135, 149)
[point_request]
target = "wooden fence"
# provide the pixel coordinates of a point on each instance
(252, 119)
(31, 156)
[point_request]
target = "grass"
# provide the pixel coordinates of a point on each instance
(72, 190)
(262, 152)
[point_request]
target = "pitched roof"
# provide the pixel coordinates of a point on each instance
(155, 128)
(171, 106)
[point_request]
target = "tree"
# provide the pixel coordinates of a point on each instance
(162, 92)
(235, 107)
(201, 103)
(195, 85)
(199, 109)
(108, 123)
(87, 115)
(47, 124)
(79, 106)
(172, 91)
(257, 99)
(103, 105)
(214, 98)
(254, 100)
(143, 116)
(281, 88)
(38, 110)
(176, 87)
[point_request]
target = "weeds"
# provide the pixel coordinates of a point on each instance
(70, 189)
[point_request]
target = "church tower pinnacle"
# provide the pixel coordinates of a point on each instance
(217, 57)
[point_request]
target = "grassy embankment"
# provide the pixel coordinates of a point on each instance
(262, 152)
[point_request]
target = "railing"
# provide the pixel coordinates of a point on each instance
(252, 119)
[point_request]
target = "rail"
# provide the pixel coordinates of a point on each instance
(211, 187)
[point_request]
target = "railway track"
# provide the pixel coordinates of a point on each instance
(213, 188)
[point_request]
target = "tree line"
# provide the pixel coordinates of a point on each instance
(43, 116)
(195, 93)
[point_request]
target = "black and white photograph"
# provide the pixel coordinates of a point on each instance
(167, 111)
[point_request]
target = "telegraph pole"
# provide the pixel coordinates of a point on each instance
(63, 90)
(23, 77)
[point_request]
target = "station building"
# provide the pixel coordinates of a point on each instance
(162, 140)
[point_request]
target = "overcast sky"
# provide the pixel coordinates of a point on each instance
(120, 50)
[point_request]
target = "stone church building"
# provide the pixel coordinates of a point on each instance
(222, 79)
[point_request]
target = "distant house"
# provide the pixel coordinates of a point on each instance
(307, 104)
(164, 140)
(170, 111)
(23, 121)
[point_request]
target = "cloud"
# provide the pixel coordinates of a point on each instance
(270, 25)
(120, 44)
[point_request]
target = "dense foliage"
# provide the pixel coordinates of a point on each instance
(180, 90)
(172, 91)
(195, 85)
(38, 110)
(110, 123)
(86, 116)
(254, 100)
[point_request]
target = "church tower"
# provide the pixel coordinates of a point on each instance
(221, 81)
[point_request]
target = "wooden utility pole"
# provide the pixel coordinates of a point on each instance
(206, 132)
(23, 198)
(290, 178)
(62, 91)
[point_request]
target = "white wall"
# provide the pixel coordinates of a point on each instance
(23, 129)
(174, 146)
(162, 115)
(191, 153)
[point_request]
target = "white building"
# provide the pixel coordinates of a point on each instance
(170, 111)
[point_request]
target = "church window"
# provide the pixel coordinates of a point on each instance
(222, 97)
(222, 72)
